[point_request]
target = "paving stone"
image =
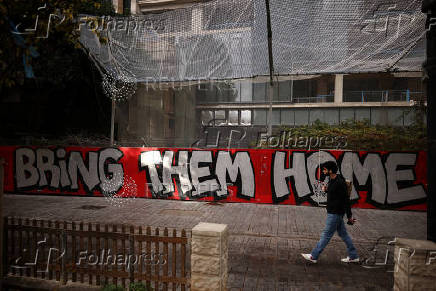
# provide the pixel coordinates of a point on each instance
(265, 241)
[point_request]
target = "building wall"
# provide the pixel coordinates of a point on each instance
(157, 117)
(295, 116)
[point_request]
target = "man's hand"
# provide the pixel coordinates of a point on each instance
(351, 221)
(324, 188)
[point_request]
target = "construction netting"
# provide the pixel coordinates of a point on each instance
(227, 39)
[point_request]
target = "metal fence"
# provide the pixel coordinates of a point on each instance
(96, 254)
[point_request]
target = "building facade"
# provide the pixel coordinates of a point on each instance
(184, 113)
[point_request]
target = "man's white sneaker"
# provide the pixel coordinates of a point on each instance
(348, 260)
(309, 257)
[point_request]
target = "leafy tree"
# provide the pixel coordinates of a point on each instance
(41, 58)
(40, 38)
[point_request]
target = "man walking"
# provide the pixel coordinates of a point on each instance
(338, 203)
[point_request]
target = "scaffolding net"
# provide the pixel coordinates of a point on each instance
(227, 39)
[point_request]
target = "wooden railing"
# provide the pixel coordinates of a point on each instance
(96, 254)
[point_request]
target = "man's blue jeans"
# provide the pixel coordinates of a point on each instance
(334, 223)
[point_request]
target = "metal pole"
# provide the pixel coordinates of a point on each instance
(271, 67)
(429, 7)
(292, 82)
(270, 94)
(113, 122)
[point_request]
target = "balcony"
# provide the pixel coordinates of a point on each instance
(316, 99)
(382, 96)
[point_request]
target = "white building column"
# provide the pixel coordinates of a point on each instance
(339, 88)
(134, 9)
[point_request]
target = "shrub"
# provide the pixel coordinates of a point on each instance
(138, 286)
(112, 287)
(361, 135)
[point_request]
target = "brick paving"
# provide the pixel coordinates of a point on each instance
(265, 240)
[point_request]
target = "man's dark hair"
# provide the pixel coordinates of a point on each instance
(330, 165)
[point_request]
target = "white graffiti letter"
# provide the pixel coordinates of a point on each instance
(44, 163)
(112, 179)
(396, 195)
(298, 171)
(89, 175)
(22, 168)
(149, 160)
(371, 166)
(181, 169)
(241, 165)
(199, 172)
(65, 180)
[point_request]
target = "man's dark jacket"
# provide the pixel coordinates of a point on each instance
(338, 201)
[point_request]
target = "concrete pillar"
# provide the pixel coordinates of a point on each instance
(209, 257)
(415, 265)
(339, 88)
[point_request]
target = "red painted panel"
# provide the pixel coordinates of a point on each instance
(385, 180)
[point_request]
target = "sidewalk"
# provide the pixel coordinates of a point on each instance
(265, 242)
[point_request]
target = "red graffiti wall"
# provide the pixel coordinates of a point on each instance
(383, 180)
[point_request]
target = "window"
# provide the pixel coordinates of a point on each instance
(259, 117)
(220, 117)
(234, 92)
(287, 117)
(276, 117)
(236, 117)
(284, 91)
(246, 117)
(222, 91)
(206, 117)
(301, 116)
(275, 90)
(259, 92)
(233, 117)
(304, 88)
(206, 93)
(200, 92)
(227, 92)
(246, 92)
